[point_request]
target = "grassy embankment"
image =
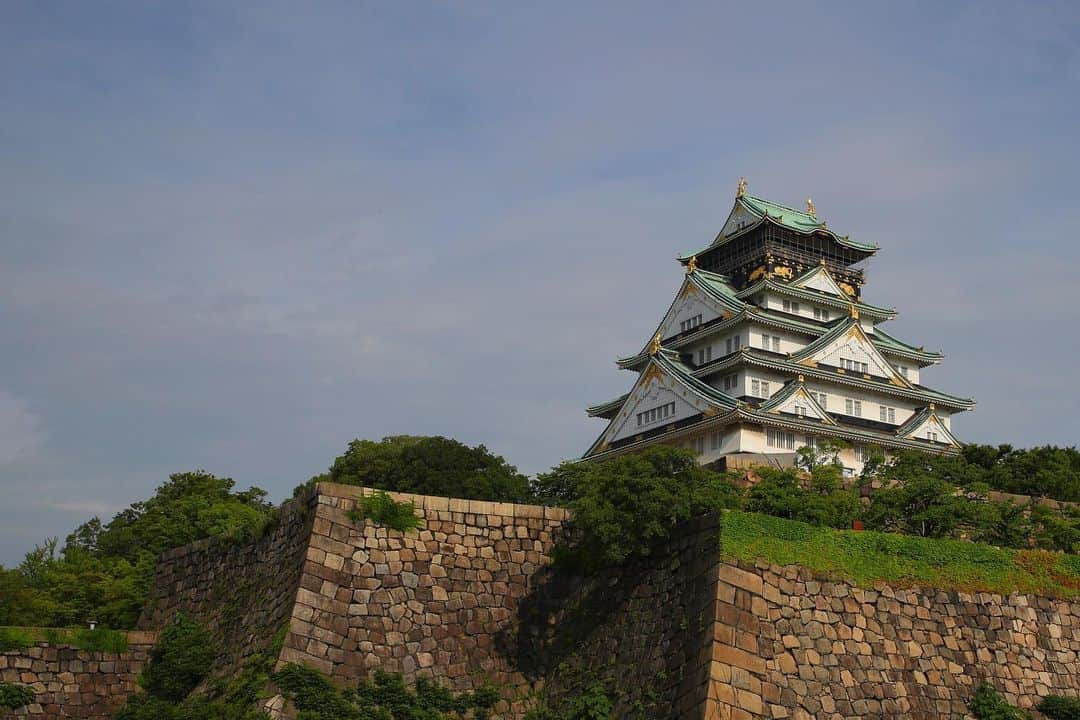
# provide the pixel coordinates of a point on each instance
(900, 560)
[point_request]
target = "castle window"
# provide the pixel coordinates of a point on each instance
(647, 417)
(931, 436)
(800, 410)
(822, 398)
(862, 454)
(690, 324)
(759, 388)
(716, 439)
(770, 342)
(704, 355)
(821, 314)
(887, 414)
(780, 439)
(698, 445)
(791, 307)
(856, 366)
(853, 407)
(903, 370)
(731, 382)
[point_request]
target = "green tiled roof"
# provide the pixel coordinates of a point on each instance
(798, 424)
(784, 216)
(605, 408)
(764, 359)
(797, 220)
(871, 311)
(887, 343)
(783, 394)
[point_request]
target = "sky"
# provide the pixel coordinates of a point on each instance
(236, 236)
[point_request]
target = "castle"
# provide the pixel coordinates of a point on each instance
(768, 346)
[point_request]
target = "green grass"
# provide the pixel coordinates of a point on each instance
(97, 640)
(12, 638)
(901, 560)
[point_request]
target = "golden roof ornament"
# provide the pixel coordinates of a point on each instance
(933, 407)
(854, 312)
(692, 265)
(741, 189)
(802, 378)
(810, 209)
(654, 346)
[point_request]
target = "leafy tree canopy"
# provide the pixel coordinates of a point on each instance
(104, 571)
(623, 507)
(429, 466)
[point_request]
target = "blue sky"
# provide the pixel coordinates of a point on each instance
(236, 237)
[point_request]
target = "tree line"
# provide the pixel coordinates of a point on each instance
(622, 508)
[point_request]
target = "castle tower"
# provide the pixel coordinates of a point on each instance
(768, 346)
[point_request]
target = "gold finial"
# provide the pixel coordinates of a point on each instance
(810, 209)
(692, 265)
(654, 346)
(802, 378)
(933, 407)
(822, 261)
(854, 312)
(742, 188)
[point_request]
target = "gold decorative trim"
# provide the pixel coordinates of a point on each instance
(741, 190)
(810, 209)
(692, 265)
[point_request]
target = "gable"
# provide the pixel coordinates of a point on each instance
(819, 279)
(927, 422)
(690, 305)
(799, 402)
(739, 219)
(653, 391)
(853, 345)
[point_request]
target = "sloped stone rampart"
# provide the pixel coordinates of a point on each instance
(73, 683)
(792, 644)
(429, 602)
(243, 592)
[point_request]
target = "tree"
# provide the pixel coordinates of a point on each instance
(819, 499)
(429, 466)
(104, 572)
(622, 508)
(921, 505)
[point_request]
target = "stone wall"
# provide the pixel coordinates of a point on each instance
(472, 598)
(73, 683)
(432, 602)
(790, 644)
(644, 631)
(243, 592)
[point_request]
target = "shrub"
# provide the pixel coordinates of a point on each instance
(179, 661)
(382, 509)
(14, 696)
(592, 703)
(1057, 707)
(987, 704)
(384, 697)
